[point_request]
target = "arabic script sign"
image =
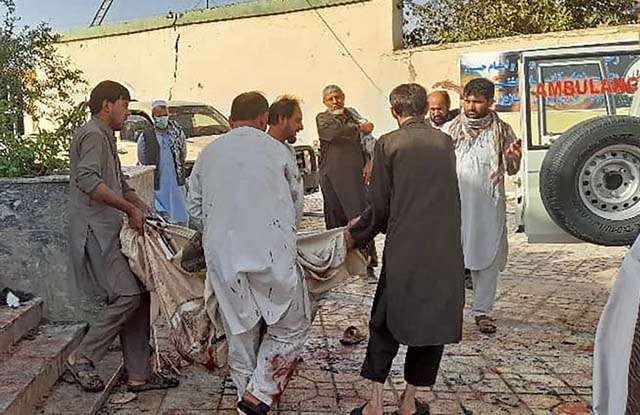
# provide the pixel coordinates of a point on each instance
(499, 67)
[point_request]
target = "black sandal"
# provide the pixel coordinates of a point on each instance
(359, 411)
(86, 375)
(422, 408)
(249, 408)
(155, 382)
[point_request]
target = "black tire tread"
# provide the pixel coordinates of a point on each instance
(557, 156)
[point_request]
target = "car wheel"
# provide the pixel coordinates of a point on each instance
(590, 180)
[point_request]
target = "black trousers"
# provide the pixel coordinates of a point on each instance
(421, 363)
(336, 216)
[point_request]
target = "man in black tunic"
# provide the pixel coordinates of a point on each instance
(420, 295)
(343, 164)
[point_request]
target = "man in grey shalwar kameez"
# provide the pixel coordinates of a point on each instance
(238, 190)
(99, 200)
(420, 295)
(486, 148)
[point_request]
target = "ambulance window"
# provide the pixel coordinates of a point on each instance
(618, 67)
(568, 94)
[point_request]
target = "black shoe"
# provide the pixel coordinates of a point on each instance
(468, 281)
(22, 296)
(253, 409)
(371, 276)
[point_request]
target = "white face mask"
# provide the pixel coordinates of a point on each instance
(161, 122)
(339, 111)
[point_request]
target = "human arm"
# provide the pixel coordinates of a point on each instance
(103, 194)
(364, 126)
(448, 85)
(512, 150)
(183, 146)
(375, 217)
(194, 198)
(329, 128)
(93, 151)
(142, 149)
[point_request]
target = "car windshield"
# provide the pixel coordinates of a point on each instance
(199, 120)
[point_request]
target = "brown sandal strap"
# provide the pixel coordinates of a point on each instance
(486, 325)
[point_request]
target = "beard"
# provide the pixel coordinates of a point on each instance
(438, 120)
(338, 111)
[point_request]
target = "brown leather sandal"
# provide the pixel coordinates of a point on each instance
(486, 324)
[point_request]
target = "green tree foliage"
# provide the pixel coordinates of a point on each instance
(36, 80)
(443, 21)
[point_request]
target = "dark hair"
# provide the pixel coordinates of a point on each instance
(409, 100)
(248, 106)
(106, 90)
(479, 87)
(444, 95)
(282, 107)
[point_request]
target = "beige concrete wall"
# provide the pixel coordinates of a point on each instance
(293, 53)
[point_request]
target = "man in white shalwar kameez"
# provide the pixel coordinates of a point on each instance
(240, 194)
(485, 147)
(616, 359)
(285, 121)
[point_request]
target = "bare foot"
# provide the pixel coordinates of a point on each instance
(371, 410)
(407, 409)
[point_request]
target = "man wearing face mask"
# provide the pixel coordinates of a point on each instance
(344, 164)
(165, 147)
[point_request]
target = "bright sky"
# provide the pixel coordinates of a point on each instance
(67, 14)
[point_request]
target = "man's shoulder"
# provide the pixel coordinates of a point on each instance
(446, 127)
(390, 135)
(423, 132)
(90, 131)
(92, 126)
(175, 126)
(324, 115)
(290, 148)
(241, 137)
(353, 112)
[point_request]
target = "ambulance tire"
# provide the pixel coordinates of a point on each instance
(590, 180)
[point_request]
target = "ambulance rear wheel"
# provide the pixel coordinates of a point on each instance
(590, 180)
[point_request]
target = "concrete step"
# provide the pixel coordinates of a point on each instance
(16, 322)
(67, 398)
(32, 367)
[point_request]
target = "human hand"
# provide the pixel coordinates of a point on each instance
(366, 173)
(349, 239)
(514, 151)
(448, 85)
(136, 219)
(366, 128)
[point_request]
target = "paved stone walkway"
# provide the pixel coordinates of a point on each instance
(539, 362)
